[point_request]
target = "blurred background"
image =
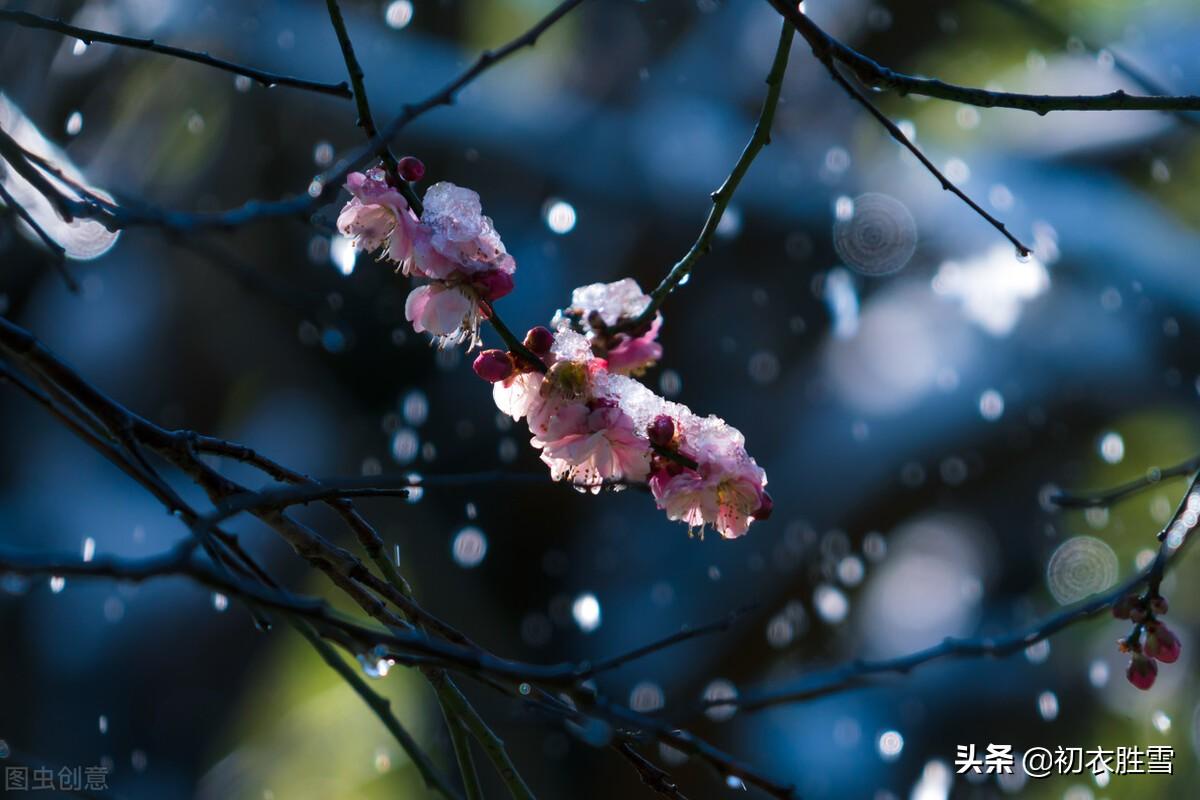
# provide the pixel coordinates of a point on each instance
(911, 388)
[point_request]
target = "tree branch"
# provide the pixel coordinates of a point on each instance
(720, 198)
(88, 36)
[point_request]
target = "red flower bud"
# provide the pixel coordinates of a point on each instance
(493, 284)
(539, 340)
(661, 431)
(411, 168)
(764, 510)
(1124, 606)
(1158, 604)
(1141, 671)
(493, 365)
(1162, 644)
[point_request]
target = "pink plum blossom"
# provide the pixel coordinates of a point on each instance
(450, 314)
(601, 306)
(594, 446)
(727, 494)
(377, 216)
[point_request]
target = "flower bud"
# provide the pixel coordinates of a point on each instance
(1162, 644)
(411, 168)
(1158, 604)
(765, 509)
(493, 284)
(1137, 614)
(493, 365)
(539, 340)
(1141, 671)
(661, 431)
(1124, 606)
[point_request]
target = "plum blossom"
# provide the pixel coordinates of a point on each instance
(453, 246)
(599, 307)
(377, 216)
(597, 428)
(594, 444)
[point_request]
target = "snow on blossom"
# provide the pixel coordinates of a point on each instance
(453, 246)
(593, 428)
(601, 306)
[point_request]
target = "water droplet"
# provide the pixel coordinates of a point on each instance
(1112, 447)
(103, 724)
(991, 405)
(383, 761)
(1038, 652)
(1047, 704)
(415, 408)
(890, 744)
(323, 154)
(1160, 721)
(831, 604)
(195, 123)
(89, 548)
(405, 446)
(398, 14)
(560, 216)
(79, 48)
(646, 697)
(1098, 673)
(469, 547)
(242, 83)
(586, 612)
(138, 760)
(670, 384)
(717, 691)
(57, 583)
(342, 253)
(74, 123)
(220, 602)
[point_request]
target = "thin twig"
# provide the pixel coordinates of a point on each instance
(1106, 497)
(720, 198)
(88, 36)
(877, 76)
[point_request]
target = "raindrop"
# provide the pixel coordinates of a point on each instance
(470, 547)
(671, 384)
(398, 14)
(1098, 673)
(1160, 721)
(383, 761)
(79, 48)
(646, 697)
(1047, 704)
(1080, 567)
(850, 570)
(103, 724)
(560, 216)
(1112, 447)
(780, 631)
(220, 602)
(991, 405)
(405, 445)
(1038, 652)
(57, 583)
(89, 548)
(342, 253)
(890, 745)
(586, 612)
(323, 154)
(74, 123)
(242, 83)
(415, 407)
(874, 234)
(831, 604)
(717, 691)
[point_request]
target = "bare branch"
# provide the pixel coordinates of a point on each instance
(1107, 497)
(268, 79)
(720, 198)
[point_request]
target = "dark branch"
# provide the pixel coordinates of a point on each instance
(268, 79)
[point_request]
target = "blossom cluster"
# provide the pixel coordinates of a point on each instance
(595, 425)
(452, 246)
(1150, 642)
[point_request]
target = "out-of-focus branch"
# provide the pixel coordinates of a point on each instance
(857, 673)
(720, 198)
(877, 76)
(1107, 497)
(321, 190)
(88, 36)
(57, 253)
